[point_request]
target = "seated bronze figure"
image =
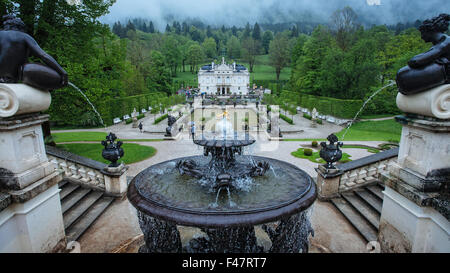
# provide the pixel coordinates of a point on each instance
(15, 48)
(432, 68)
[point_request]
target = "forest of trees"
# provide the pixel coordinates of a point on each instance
(340, 59)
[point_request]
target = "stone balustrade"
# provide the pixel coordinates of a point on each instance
(364, 174)
(89, 172)
(354, 174)
(87, 175)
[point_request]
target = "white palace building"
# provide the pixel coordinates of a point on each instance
(224, 79)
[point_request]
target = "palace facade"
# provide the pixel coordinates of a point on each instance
(224, 79)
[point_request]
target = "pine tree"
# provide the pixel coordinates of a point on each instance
(151, 28)
(234, 30)
(256, 34)
(247, 31)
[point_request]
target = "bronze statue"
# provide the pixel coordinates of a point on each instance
(432, 68)
(15, 48)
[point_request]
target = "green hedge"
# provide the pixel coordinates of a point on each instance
(119, 107)
(161, 118)
(324, 105)
(287, 119)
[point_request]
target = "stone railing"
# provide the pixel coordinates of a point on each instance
(89, 172)
(358, 173)
(354, 174)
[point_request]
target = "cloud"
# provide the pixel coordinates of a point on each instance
(239, 12)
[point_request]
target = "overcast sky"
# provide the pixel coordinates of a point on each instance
(239, 12)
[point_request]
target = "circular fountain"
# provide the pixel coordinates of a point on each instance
(225, 193)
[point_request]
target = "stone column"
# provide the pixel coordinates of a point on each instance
(415, 215)
(274, 123)
(30, 214)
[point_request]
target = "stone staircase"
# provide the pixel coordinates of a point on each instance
(81, 206)
(362, 208)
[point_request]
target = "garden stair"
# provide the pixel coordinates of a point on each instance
(81, 207)
(362, 208)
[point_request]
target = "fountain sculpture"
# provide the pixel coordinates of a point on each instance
(225, 193)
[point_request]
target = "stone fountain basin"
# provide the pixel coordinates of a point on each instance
(285, 191)
(224, 143)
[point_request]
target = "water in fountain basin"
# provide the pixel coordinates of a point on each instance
(87, 99)
(364, 105)
(173, 189)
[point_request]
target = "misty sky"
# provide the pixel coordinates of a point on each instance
(239, 12)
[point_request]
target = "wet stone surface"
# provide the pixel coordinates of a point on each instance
(289, 235)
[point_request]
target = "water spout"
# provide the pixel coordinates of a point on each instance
(364, 105)
(95, 110)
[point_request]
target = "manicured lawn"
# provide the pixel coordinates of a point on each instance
(78, 136)
(304, 139)
(375, 116)
(315, 157)
(370, 150)
(132, 152)
(384, 130)
(90, 136)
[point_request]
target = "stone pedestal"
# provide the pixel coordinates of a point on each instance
(415, 215)
(31, 220)
(328, 182)
(116, 180)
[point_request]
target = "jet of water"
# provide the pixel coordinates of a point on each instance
(391, 82)
(95, 110)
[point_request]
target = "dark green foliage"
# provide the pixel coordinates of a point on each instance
(307, 116)
(314, 143)
(287, 119)
(308, 152)
(161, 118)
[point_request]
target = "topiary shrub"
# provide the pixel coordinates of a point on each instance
(319, 121)
(308, 152)
(314, 143)
(307, 116)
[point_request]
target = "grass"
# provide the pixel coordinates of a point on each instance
(375, 116)
(90, 136)
(383, 130)
(315, 157)
(304, 139)
(133, 152)
(78, 136)
(369, 149)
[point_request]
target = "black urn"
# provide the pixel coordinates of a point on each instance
(331, 152)
(112, 151)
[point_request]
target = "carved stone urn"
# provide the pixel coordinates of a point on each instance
(331, 152)
(112, 150)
